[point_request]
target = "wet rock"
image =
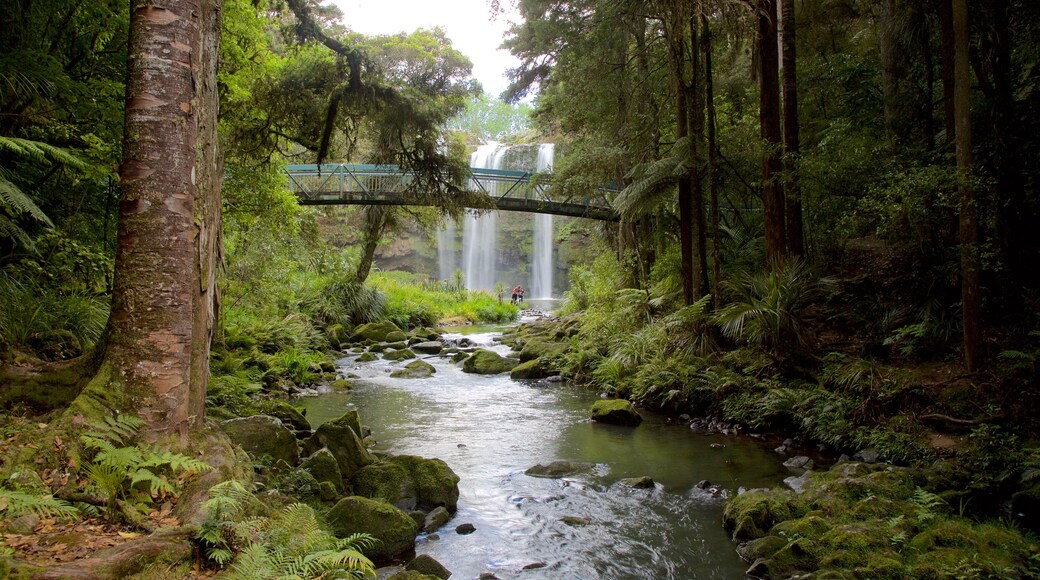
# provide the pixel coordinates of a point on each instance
(535, 349)
(535, 565)
(684, 417)
(867, 456)
(376, 331)
(341, 385)
(425, 564)
(575, 521)
(409, 482)
(289, 415)
(399, 355)
(644, 482)
(394, 529)
(703, 484)
(415, 370)
(615, 412)
(436, 519)
(324, 467)
(411, 575)
(396, 336)
(327, 491)
(431, 347)
(799, 462)
(465, 529)
(341, 437)
(558, 469)
(263, 435)
(366, 357)
(532, 370)
(485, 362)
(488, 576)
(459, 357)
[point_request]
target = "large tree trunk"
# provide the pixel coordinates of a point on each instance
(376, 219)
(696, 118)
(155, 361)
(769, 120)
(947, 55)
(792, 189)
(685, 201)
(971, 302)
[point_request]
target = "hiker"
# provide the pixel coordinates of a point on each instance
(520, 296)
(516, 293)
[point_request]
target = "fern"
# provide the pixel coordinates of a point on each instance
(14, 504)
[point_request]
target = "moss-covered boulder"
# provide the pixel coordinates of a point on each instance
(385, 481)
(290, 416)
(486, 362)
(615, 412)
(366, 357)
(396, 336)
(409, 482)
(752, 514)
(535, 349)
(426, 334)
(532, 370)
(337, 335)
(394, 529)
(262, 435)
(412, 575)
(375, 331)
(342, 437)
(399, 355)
(558, 469)
(414, 370)
(425, 564)
(324, 467)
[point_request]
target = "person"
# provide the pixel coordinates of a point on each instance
(520, 296)
(516, 292)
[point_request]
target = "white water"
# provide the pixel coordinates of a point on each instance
(543, 264)
(480, 233)
(446, 250)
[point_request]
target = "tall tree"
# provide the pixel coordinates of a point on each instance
(157, 347)
(792, 140)
(772, 140)
(971, 301)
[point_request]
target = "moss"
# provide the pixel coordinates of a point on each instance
(394, 529)
(375, 331)
(366, 357)
(263, 435)
(46, 386)
(337, 335)
(415, 370)
(396, 336)
(532, 369)
(341, 385)
(435, 482)
(535, 349)
(399, 355)
(324, 467)
(752, 514)
(342, 437)
(797, 556)
(810, 527)
(286, 413)
(386, 481)
(412, 575)
(761, 548)
(615, 412)
(485, 362)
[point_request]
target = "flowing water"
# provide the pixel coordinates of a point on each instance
(542, 263)
(490, 429)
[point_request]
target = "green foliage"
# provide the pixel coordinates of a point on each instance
(17, 503)
(287, 543)
(118, 468)
(491, 119)
(411, 302)
(30, 311)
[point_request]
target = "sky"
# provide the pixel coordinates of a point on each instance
(467, 23)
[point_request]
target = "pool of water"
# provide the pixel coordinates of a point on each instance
(490, 429)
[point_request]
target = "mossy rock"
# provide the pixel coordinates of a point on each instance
(753, 514)
(341, 385)
(426, 334)
(425, 564)
(761, 548)
(415, 370)
(558, 469)
(57, 344)
(810, 527)
(399, 355)
(412, 575)
(46, 386)
(486, 362)
(337, 335)
(394, 529)
(436, 485)
(261, 435)
(532, 370)
(376, 331)
(287, 414)
(396, 336)
(323, 466)
(535, 349)
(366, 357)
(615, 412)
(386, 481)
(428, 347)
(342, 438)
(459, 357)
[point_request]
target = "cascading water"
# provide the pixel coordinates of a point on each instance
(446, 250)
(480, 233)
(542, 266)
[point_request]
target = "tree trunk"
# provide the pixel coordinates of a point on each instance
(713, 165)
(890, 69)
(769, 120)
(155, 358)
(970, 296)
(696, 119)
(947, 53)
(685, 201)
(792, 189)
(376, 217)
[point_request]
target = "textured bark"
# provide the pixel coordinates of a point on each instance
(792, 140)
(971, 302)
(713, 164)
(375, 224)
(772, 142)
(157, 348)
(696, 118)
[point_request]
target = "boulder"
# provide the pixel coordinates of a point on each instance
(575, 521)
(386, 481)
(341, 385)
(644, 482)
(337, 335)
(366, 357)
(532, 370)
(394, 529)
(431, 347)
(535, 349)
(410, 482)
(342, 438)
(425, 564)
(376, 331)
(288, 415)
(396, 336)
(615, 412)
(399, 355)
(426, 334)
(436, 519)
(414, 370)
(324, 467)
(263, 435)
(465, 529)
(558, 469)
(485, 362)
(411, 575)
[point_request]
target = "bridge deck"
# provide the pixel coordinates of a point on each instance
(390, 185)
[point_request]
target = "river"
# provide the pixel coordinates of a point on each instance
(489, 429)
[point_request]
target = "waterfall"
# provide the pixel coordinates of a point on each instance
(542, 263)
(480, 233)
(446, 250)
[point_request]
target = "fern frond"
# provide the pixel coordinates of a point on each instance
(16, 503)
(18, 202)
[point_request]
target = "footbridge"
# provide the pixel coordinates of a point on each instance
(340, 184)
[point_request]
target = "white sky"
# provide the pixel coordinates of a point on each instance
(467, 23)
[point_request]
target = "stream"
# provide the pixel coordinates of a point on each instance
(489, 429)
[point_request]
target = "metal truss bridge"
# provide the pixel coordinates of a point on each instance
(338, 184)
